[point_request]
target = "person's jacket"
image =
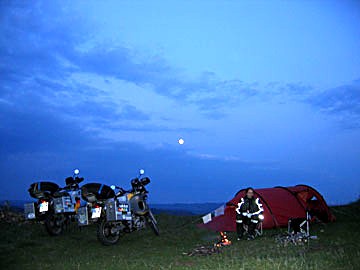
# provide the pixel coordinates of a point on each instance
(252, 206)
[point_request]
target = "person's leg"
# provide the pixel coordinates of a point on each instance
(252, 227)
(239, 226)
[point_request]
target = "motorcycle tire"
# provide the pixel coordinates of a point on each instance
(151, 221)
(104, 234)
(54, 224)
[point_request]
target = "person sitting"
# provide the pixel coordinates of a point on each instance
(247, 213)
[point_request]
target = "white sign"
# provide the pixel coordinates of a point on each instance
(96, 212)
(219, 211)
(44, 206)
(206, 218)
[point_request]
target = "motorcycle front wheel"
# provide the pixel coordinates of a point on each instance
(151, 221)
(107, 234)
(54, 224)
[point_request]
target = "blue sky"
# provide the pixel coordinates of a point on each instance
(264, 93)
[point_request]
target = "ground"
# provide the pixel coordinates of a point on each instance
(27, 246)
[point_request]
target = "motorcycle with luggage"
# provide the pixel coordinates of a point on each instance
(118, 211)
(55, 206)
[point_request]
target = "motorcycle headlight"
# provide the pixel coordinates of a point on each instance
(261, 217)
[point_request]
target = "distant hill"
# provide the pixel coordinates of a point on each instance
(15, 205)
(186, 208)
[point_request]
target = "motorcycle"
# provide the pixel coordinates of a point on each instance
(96, 195)
(56, 206)
(66, 201)
(122, 211)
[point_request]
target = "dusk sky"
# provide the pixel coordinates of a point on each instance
(264, 93)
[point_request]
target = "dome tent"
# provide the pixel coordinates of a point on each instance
(280, 204)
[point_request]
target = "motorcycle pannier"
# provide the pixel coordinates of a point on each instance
(82, 216)
(29, 210)
(64, 205)
(118, 209)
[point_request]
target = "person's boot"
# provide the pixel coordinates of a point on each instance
(250, 237)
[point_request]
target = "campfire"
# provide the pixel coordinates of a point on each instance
(224, 241)
(209, 250)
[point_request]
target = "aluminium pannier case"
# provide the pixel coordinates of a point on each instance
(29, 211)
(118, 209)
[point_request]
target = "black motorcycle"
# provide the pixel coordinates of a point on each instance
(66, 201)
(56, 206)
(123, 211)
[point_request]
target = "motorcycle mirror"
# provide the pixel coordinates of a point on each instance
(76, 171)
(142, 172)
(113, 187)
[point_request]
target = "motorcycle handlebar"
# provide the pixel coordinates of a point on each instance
(137, 185)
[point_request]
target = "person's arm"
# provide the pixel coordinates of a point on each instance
(238, 209)
(260, 208)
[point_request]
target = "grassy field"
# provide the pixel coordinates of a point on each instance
(27, 246)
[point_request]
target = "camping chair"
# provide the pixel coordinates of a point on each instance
(299, 225)
(258, 228)
(298, 231)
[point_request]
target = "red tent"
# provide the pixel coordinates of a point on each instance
(280, 204)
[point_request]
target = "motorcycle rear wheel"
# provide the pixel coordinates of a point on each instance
(105, 234)
(54, 224)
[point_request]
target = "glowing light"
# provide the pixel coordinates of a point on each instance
(181, 141)
(261, 217)
(76, 171)
(224, 241)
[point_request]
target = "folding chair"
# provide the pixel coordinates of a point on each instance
(299, 225)
(258, 229)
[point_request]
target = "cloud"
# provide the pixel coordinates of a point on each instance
(51, 48)
(38, 129)
(343, 103)
(106, 88)
(341, 99)
(70, 98)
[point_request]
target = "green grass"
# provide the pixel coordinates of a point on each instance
(27, 246)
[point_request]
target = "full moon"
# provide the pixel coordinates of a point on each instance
(181, 141)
